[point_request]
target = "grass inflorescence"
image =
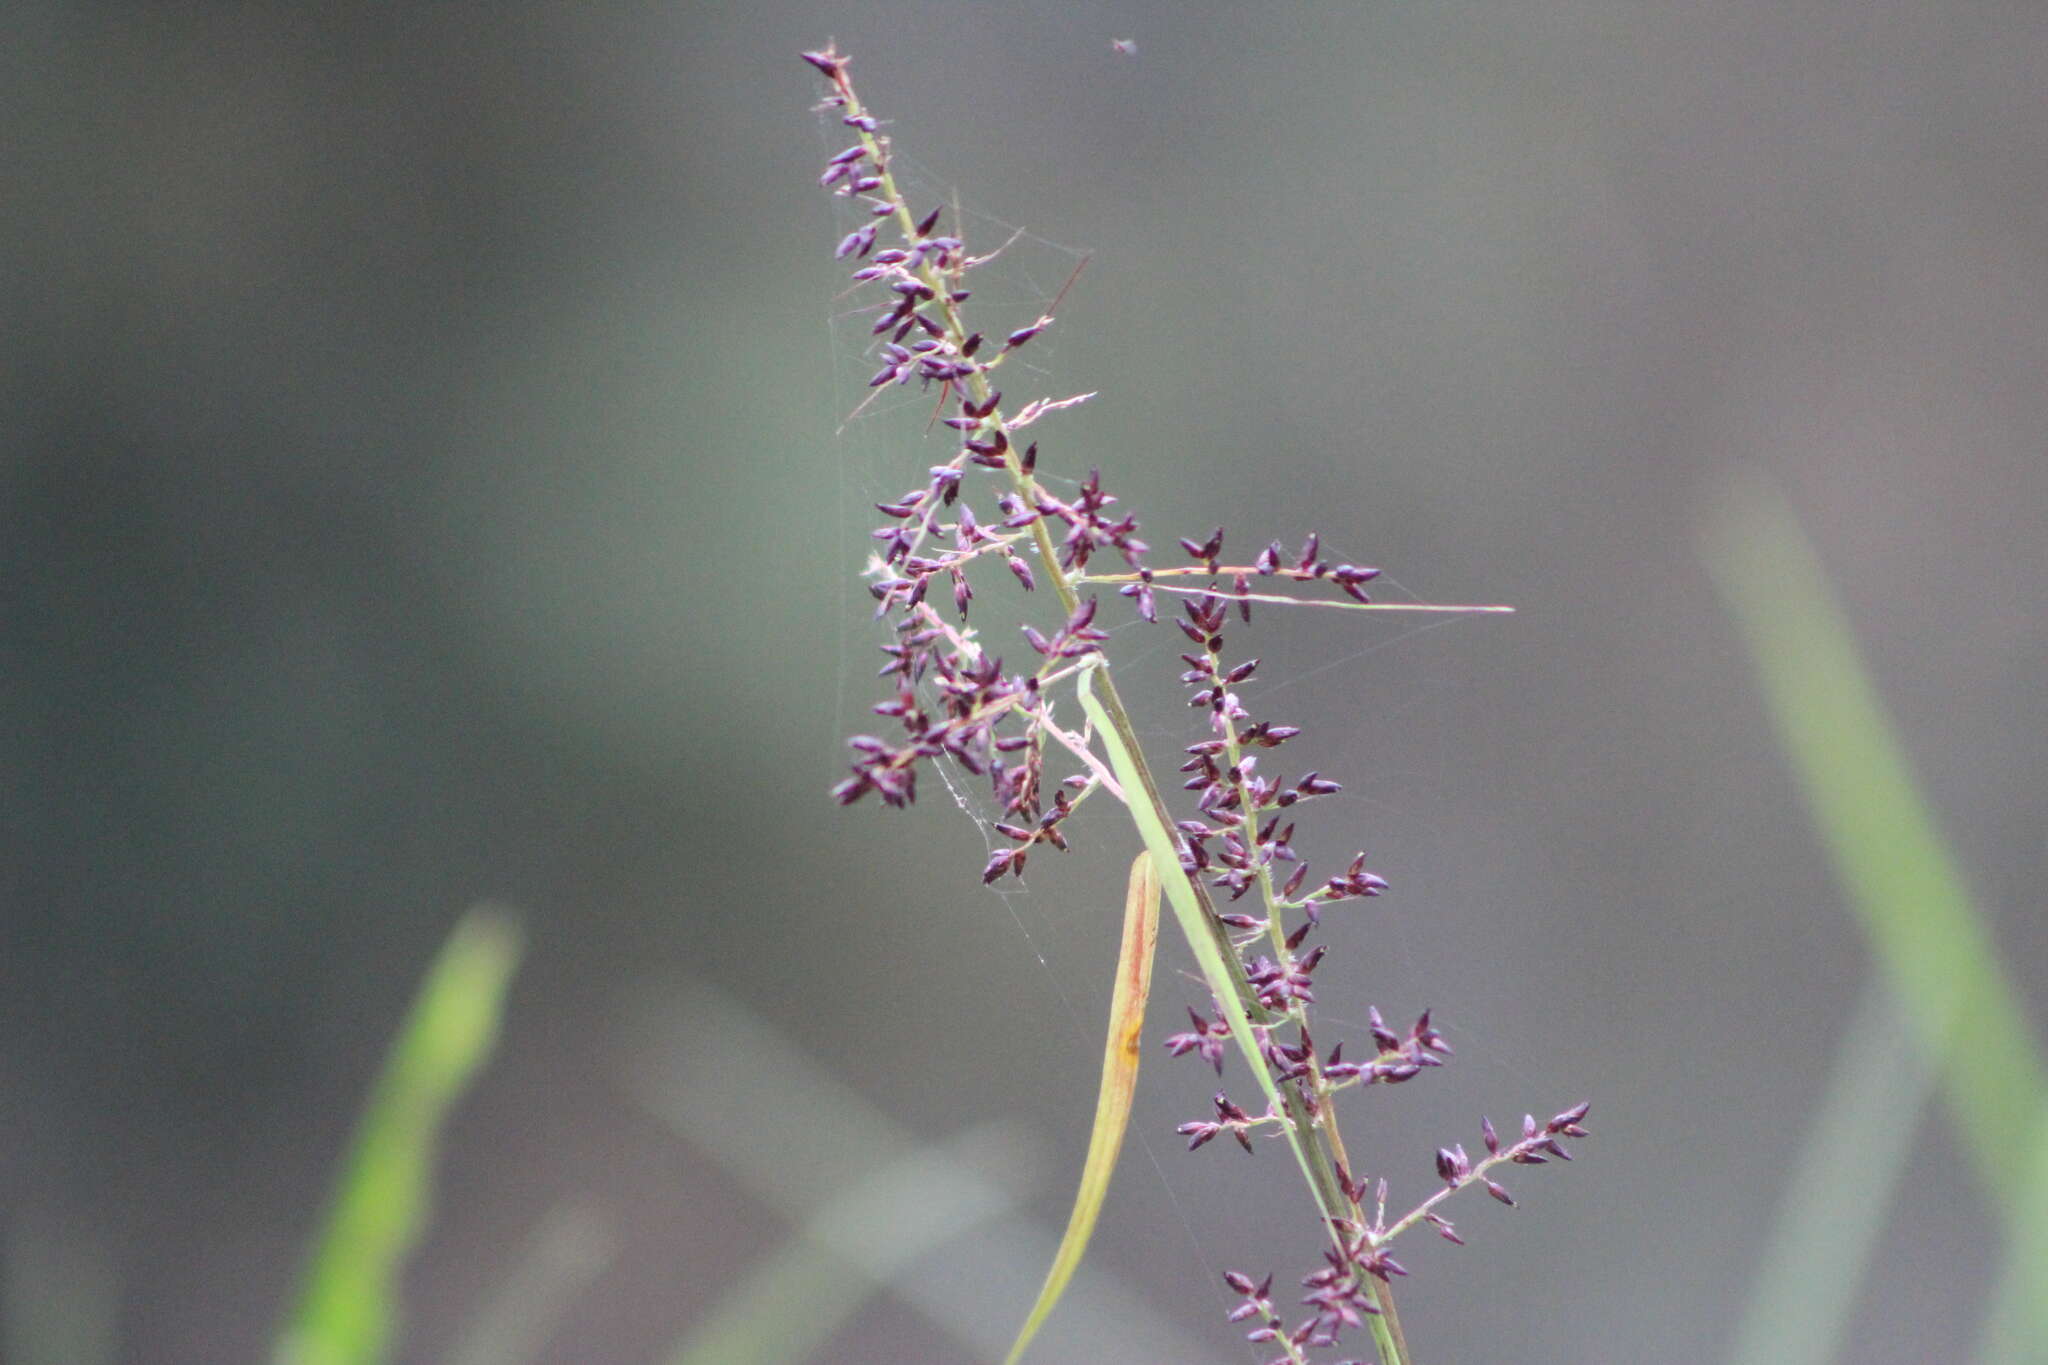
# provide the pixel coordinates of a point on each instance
(1242, 895)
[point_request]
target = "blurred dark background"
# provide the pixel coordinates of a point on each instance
(421, 485)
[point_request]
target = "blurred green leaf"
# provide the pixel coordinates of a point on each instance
(347, 1303)
(572, 1246)
(1934, 948)
(60, 1301)
(1838, 1191)
(2016, 1329)
(874, 1207)
(785, 1308)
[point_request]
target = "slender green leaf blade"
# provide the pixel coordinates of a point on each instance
(1903, 883)
(347, 1303)
(1929, 938)
(1113, 1096)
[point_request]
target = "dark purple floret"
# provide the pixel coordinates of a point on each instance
(1207, 550)
(1350, 576)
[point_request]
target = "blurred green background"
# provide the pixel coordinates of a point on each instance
(422, 486)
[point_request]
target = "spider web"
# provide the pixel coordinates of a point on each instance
(886, 439)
